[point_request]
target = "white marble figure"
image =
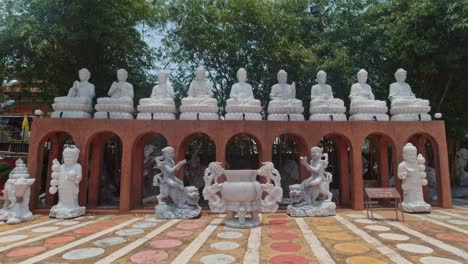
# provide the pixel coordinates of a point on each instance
(412, 172)
(404, 104)
(17, 193)
(241, 104)
(160, 105)
(241, 193)
(305, 196)
(66, 180)
(119, 104)
(323, 106)
(284, 105)
(462, 160)
(174, 200)
(79, 101)
(199, 103)
(363, 104)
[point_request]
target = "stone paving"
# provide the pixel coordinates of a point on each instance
(349, 237)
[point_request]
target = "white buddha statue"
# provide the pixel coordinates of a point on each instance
(363, 104)
(199, 103)
(119, 104)
(241, 104)
(283, 104)
(79, 100)
(160, 105)
(323, 106)
(404, 104)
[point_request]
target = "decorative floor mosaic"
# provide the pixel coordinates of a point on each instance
(436, 238)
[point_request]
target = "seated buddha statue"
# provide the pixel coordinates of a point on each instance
(160, 105)
(363, 104)
(241, 104)
(119, 104)
(199, 103)
(404, 104)
(323, 106)
(78, 102)
(283, 104)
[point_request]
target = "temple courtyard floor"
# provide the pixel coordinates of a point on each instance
(348, 237)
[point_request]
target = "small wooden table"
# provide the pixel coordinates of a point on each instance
(382, 193)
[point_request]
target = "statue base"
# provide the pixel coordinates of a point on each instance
(286, 117)
(247, 223)
(243, 116)
(66, 213)
(318, 208)
(198, 116)
(420, 207)
(13, 218)
(70, 114)
(112, 115)
(156, 116)
(164, 211)
(328, 117)
(369, 117)
(411, 117)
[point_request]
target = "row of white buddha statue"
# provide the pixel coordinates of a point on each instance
(200, 104)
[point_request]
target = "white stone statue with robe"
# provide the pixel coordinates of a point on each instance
(174, 199)
(363, 104)
(17, 193)
(412, 173)
(66, 180)
(241, 104)
(323, 106)
(199, 103)
(313, 197)
(79, 101)
(405, 106)
(283, 105)
(160, 105)
(119, 104)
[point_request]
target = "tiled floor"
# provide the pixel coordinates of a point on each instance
(349, 237)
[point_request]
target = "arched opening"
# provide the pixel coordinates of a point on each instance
(52, 149)
(339, 152)
(428, 148)
(242, 153)
(104, 172)
(199, 150)
(378, 169)
(286, 152)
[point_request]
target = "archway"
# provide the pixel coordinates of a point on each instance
(339, 151)
(52, 149)
(242, 153)
(378, 166)
(105, 159)
(286, 152)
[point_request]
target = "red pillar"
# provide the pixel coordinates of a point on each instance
(126, 174)
(97, 148)
(357, 192)
(383, 161)
(343, 157)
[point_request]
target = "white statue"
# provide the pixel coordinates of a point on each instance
(241, 104)
(174, 200)
(66, 180)
(363, 104)
(242, 194)
(79, 101)
(404, 104)
(160, 105)
(323, 106)
(462, 160)
(412, 172)
(199, 103)
(119, 104)
(305, 196)
(283, 104)
(17, 193)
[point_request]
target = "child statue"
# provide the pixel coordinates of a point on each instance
(65, 179)
(17, 193)
(174, 200)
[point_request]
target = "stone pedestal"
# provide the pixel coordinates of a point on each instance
(199, 112)
(113, 111)
(328, 113)
(243, 112)
(371, 113)
(156, 112)
(317, 208)
(71, 111)
(61, 212)
(164, 211)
